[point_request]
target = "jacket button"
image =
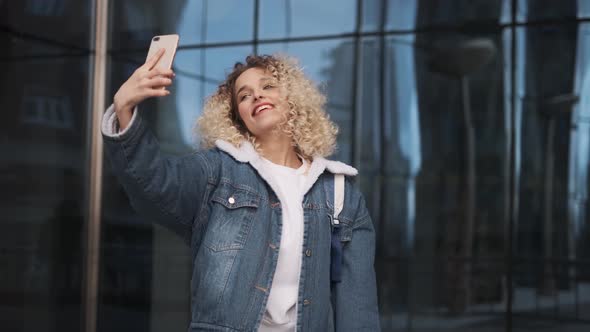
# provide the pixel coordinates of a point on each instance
(231, 200)
(306, 302)
(308, 252)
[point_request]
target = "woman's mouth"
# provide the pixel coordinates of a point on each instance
(261, 108)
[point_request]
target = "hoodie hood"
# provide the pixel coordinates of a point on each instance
(246, 153)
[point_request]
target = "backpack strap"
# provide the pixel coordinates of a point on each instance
(338, 194)
(336, 244)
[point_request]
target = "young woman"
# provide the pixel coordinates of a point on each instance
(256, 206)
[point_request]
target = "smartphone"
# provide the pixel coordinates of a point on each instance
(167, 42)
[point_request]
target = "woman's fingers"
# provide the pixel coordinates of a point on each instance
(157, 93)
(157, 71)
(151, 62)
(155, 87)
(160, 81)
(155, 82)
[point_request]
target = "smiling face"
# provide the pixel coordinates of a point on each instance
(260, 101)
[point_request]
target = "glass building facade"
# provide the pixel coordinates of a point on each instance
(469, 122)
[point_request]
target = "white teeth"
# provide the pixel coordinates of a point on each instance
(263, 107)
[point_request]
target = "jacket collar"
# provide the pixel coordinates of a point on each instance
(246, 153)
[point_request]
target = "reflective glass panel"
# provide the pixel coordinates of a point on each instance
(368, 123)
(24, 49)
(428, 13)
(442, 228)
(578, 183)
(287, 18)
(535, 10)
(371, 19)
(551, 278)
(133, 23)
(229, 20)
(401, 15)
(59, 22)
(136, 21)
(43, 172)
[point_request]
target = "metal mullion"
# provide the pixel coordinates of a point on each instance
(513, 200)
(92, 267)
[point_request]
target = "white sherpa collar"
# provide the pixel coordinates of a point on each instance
(247, 154)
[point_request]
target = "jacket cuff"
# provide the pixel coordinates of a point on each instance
(110, 123)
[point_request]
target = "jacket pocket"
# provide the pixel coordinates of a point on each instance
(230, 219)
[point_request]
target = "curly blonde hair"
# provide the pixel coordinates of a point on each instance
(307, 123)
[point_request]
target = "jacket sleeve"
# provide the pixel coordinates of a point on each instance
(354, 299)
(165, 189)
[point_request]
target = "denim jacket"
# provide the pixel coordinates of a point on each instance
(225, 208)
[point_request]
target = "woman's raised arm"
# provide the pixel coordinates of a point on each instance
(167, 189)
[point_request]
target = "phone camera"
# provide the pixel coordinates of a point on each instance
(156, 38)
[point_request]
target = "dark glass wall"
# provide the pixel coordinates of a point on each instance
(44, 147)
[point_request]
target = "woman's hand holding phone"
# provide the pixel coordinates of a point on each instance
(147, 81)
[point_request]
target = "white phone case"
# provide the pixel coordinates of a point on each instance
(167, 42)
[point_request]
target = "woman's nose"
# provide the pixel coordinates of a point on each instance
(258, 95)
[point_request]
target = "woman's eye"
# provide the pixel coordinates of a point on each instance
(243, 97)
(268, 86)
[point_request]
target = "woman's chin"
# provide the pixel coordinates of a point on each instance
(265, 127)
